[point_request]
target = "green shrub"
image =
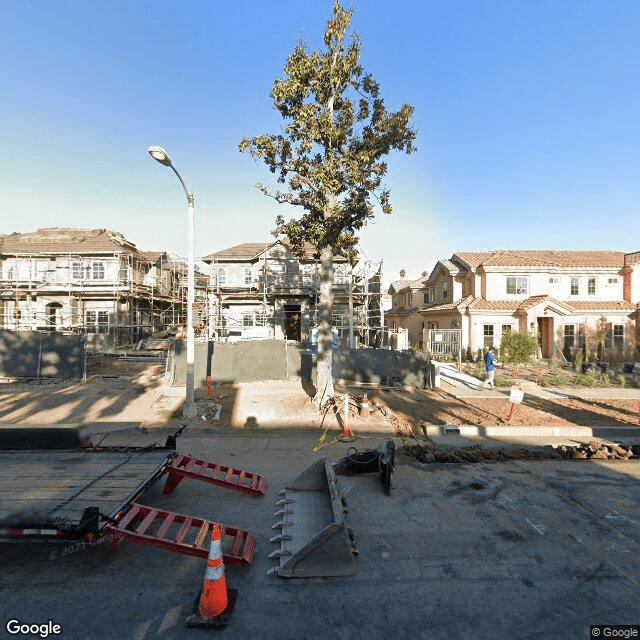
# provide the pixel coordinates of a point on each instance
(477, 372)
(588, 379)
(605, 379)
(503, 381)
(622, 381)
(518, 347)
(578, 360)
(559, 378)
(544, 380)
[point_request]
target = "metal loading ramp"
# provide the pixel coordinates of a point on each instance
(315, 540)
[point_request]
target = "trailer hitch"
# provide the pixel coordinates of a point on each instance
(171, 439)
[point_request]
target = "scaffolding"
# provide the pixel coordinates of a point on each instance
(260, 299)
(107, 297)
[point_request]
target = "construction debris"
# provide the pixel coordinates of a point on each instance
(430, 452)
(596, 450)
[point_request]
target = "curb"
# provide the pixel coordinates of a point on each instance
(541, 431)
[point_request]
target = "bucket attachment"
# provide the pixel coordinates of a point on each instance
(315, 540)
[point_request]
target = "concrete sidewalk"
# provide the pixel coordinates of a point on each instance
(256, 406)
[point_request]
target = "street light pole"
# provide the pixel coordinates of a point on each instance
(189, 411)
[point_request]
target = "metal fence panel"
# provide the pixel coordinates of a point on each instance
(444, 341)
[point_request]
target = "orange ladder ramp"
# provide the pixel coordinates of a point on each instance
(198, 469)
(180, 533)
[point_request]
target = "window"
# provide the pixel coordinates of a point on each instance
(219, 276)
(612, 281)
(488, 335)
(554, 280)
(506, 328)
(445, 291)
(425, 297)
(307, 275)
(97, 271)
(618, 336)
(248, 275)
(42, 266)
(103, 321)
(97, 321)
(247, 320)
(517, 285)
(77, 270)
(341, 274)
(591, 286)
(569, 336)
(575, 286)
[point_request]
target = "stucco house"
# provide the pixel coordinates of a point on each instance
(571, 299)
(407, 298)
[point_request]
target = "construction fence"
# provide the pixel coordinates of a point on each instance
(36, 355)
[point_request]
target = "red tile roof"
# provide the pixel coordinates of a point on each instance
(543, 258)
(608, 305)
(513, 306)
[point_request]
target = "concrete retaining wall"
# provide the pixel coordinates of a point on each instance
(257, 360)
(31, 354)
(382, 366)
(249, 361)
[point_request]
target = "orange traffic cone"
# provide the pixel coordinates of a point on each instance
(215, 602)
(213, 599)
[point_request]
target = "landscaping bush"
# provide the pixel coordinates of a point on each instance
(503, 381)
(577, 362)
(559, 378)
(518, 347)
(588, 379)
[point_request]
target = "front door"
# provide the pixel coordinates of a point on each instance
(52, 311)
(545, 336)
(292, 322)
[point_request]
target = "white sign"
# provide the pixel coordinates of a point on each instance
(516, 395)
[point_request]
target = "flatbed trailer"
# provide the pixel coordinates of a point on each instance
(87, 493)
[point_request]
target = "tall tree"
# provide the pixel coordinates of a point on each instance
(330, 159)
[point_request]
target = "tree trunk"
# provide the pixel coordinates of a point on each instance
(324, 374)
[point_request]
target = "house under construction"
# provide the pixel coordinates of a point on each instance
(96, 282)
(90, 281)
(262, 290)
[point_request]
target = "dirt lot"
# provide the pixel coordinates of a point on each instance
(440, 407)
(126, 390)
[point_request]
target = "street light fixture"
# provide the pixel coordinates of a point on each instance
(159, 154)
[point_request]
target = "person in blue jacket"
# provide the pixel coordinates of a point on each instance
(489, 365)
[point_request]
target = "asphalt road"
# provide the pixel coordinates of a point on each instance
(516, 550)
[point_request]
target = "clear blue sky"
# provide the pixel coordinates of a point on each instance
(528, 114)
